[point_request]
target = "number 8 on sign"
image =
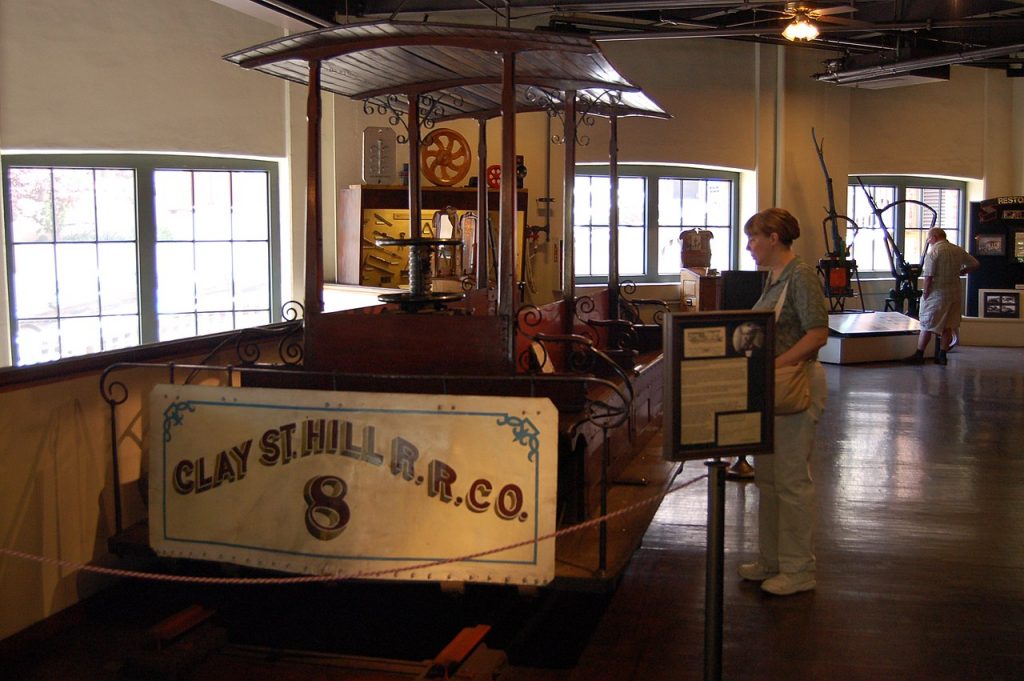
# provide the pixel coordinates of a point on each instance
(326, 512)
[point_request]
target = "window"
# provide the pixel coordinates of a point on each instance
(107, 252)
(656, 203)
(908, 222)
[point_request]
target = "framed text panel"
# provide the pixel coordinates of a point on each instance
(719, 384)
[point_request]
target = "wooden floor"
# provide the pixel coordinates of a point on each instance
(920, 546)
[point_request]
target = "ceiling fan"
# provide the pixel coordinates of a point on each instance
(795, 11)
(802, 17)
(815, 13)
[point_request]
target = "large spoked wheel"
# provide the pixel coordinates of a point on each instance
(445, 157)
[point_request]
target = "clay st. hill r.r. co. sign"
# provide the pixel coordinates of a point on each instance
(321, 482)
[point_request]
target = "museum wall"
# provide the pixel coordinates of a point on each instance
(707, 86)
(134, 75)
(958, 128)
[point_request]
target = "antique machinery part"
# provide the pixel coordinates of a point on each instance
(835, 272)
(494, 176)
(445, 157)
(448, 260)
(905, 274)
(419, 294)
(468, 226)
(378, 155)
(421, 249)
(838, 248)
(836, 267)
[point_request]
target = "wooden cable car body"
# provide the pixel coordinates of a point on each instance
(604, 364)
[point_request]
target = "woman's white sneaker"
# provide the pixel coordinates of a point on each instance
(755, 572)
(786, 583)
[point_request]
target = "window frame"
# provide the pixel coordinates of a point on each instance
(145, 166)
(652, 173)
(897, 216)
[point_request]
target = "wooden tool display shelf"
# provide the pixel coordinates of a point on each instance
(700, 289)
(366, 212)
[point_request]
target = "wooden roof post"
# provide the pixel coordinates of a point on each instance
(507, 233)
(415, 211)
(613, 217)
(482, 232)
(314, 299)
(568, 248)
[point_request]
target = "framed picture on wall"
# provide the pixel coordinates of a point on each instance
(999, 304)
(991, 244)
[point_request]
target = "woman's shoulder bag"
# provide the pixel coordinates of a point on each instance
(792, 383)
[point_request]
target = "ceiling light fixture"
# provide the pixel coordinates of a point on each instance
(800, 28)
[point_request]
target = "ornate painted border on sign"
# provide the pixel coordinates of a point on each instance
(364, 484)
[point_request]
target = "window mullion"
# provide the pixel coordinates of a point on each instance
(274, 244)
(56, 270)
(146, 235)
(651, 226)
(900, 228)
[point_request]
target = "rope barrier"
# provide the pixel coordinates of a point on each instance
(337, 577)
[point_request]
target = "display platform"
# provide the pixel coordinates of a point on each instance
(988, 332)
(869, 337)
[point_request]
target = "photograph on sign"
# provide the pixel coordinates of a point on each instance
(718, 385)
(990, 244)
(371, 485)
(999, 303)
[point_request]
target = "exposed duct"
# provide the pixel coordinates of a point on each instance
(899, 68)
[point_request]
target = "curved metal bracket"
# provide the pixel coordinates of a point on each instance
(581, 358)
(432, 109)
(631, 307)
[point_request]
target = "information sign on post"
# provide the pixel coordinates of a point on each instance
(719, 384)
(719, 401)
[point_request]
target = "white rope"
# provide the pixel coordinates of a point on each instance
(366, 574)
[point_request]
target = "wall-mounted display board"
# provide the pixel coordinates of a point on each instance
(719, 384)
(997, 241)
(999, 303)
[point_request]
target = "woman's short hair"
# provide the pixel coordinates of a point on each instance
(774, 221)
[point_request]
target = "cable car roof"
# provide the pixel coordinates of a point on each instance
(456, 69)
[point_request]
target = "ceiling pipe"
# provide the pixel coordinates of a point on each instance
(899, 67)
(292, 12)
(823, 28)
(640, 5)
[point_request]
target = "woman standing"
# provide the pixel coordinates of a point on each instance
(786, 507)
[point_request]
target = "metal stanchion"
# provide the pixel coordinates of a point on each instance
(713, 585)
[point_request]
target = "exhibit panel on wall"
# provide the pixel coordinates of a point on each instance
(997, 241)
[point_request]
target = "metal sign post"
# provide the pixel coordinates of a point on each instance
(715, 560)
(719, 397)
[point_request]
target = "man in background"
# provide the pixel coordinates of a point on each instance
(942, 302)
